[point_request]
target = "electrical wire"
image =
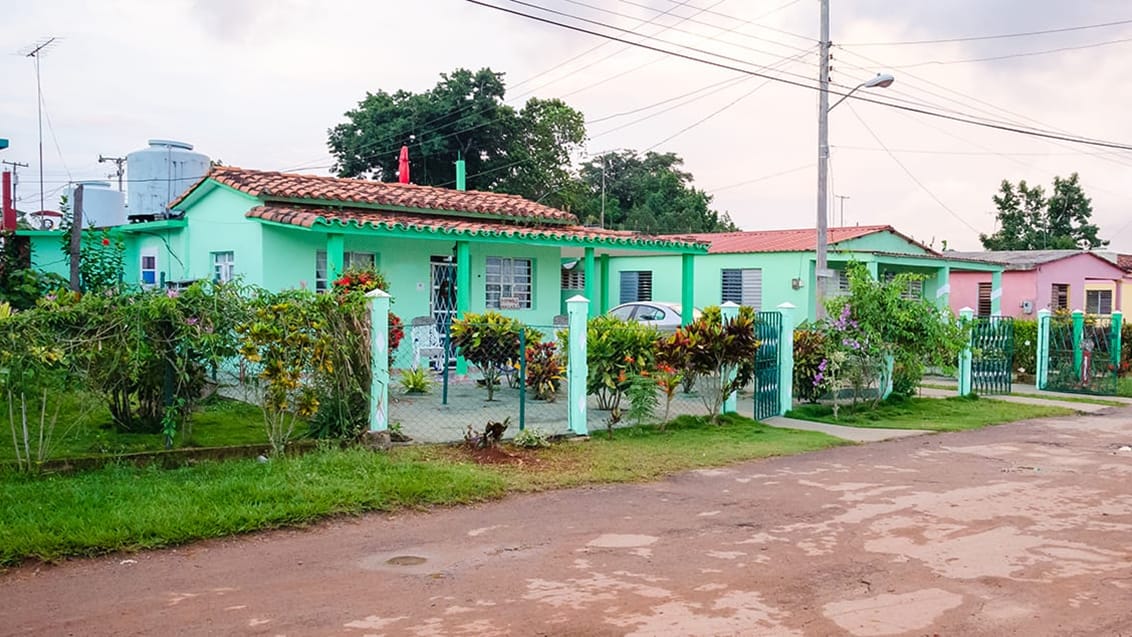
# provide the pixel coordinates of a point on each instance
(746, 182)
(1014, 55)
(995, 37)
(909, 172)
(963, 119)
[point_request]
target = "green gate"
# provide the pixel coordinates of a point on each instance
(992, 355)
(1084, 355)
(768, 329)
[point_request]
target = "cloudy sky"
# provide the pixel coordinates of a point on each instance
(256, 83)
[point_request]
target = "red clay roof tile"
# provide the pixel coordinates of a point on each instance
(798, 240)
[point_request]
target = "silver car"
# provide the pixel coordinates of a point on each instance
(657, 313)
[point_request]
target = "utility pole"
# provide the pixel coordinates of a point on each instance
(821, 269)
(35, 54)
(16, 166)
(842, 198)
(120, 171)
(603, 192)
(76, 238)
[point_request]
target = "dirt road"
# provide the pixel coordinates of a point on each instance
(1019, 529)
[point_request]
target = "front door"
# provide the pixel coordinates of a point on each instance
(442, 300)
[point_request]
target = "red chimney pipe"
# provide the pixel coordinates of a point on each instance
(9, 210)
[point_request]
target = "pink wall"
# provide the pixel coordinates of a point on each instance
(1036, 285)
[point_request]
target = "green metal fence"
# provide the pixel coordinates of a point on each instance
(992, 355)
(1084, 354)
(768, 329)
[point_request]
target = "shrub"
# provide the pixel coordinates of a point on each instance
(544, 370)
(811, 355)
(616, 350)
(668, 380)
(720, 353)
(643, 400)
(1025, 346)
(415, 381)
(491, 342)
(531, 438)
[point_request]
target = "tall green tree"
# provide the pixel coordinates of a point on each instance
(1028, 220)
(649, 193)
(525, 152)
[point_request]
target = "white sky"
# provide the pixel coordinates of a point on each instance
(257, 83)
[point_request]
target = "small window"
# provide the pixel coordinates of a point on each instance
(636, 285)
(743, 287)
(573, 277)
(842, 283)
(321, 282)
(1059, 296)
(913, 290)
(148, 276)
(351, 260)
(507, 283)
(1098, 301)
(984, 299)
(223, 266)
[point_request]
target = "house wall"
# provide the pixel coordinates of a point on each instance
(881, 242)
(1125, 293)
(47, 254)
(1036, 285)
(216, 223)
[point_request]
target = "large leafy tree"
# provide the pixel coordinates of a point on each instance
(1028, 220)
(525, 152)
(649, 193)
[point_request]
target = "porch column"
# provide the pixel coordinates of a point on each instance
(1117, 297)
(463, 291)
(589, 281)
(335, 256)
(943, 287)
(874, 270)
(687, 287)
(604, 283)
(996, 293)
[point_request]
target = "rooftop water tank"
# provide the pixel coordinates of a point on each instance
(102, 205)
(161, 173)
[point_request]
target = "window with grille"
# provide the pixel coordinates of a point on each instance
(984, 308)
(507, 283)
(1059, 296)
(149, 268)
(573, 278)
(913, 290)
(842, 283)
(223, 266)
(1098, 301)
(742, 286)
(636, 285)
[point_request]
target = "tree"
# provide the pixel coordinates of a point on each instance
(649, 194)
(525, 152)
(1030, 221)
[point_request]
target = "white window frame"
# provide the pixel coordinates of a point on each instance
(148, 253)
(1099, 304)
(223, 266)
(504, 280)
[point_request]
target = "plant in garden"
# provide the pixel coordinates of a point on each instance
(287, 339)
(531, 438)
(643, 400)
(102, 258)
(545, 370)
(720, 353)
(811, 362)
(492, 343)
(415, 381)
(616, 350)
(668, 380)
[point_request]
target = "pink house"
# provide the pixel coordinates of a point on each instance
(1034, 280)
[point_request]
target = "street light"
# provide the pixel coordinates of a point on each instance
(822, 273)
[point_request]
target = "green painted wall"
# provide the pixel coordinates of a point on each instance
(880, 242)
(217, 224)
(47, 255)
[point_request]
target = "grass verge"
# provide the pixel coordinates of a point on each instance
(129, 508)
(933, 414)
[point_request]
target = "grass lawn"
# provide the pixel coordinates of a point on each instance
(128, 508)
(934, 414)
(84, 428)
(1124, 387)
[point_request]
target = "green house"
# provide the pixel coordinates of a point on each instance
(444, 251)
(765, 268)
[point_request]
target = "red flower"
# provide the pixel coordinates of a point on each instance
(105, 241)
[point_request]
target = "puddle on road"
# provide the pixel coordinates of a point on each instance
(406, 560)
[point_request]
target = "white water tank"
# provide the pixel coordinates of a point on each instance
(103, 206)
(161, 173)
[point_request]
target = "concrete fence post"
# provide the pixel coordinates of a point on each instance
(1041, 361)
(577, 365)
(786, 359)
(1078, 342)
(728, 311)
(1115, 341)
(378, 301)
(967, 315)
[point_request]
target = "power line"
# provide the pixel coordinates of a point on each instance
(963, 119)
(995, 37)
(909, 172)
(1015, 55)
(763, 178)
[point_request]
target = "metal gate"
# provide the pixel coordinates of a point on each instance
(992, 355)
(1084, 356)
(768, 329)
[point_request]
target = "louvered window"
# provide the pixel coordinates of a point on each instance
(636, 285)
(842, 283)
(984, 299)
(573, 278)
(1059, 296)
(742, 286)
(913, 290)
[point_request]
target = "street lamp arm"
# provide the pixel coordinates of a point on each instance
(882, 80)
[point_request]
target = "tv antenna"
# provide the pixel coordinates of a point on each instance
(36, 51)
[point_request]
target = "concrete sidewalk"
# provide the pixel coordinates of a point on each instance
(1088, 408)
(1027, 388)
(856, 434)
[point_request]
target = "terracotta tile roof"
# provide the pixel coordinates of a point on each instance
(1124, 262)
(308, 216)
(278, 186)
(799, 240)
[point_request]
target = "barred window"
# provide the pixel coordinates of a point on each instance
(507, 283)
